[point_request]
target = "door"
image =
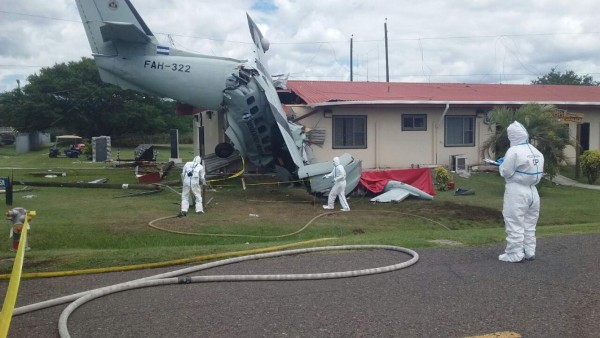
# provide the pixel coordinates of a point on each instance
(584, 141)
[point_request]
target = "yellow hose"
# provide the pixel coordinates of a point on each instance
(151, 224)
(165, 263)
(205, 257)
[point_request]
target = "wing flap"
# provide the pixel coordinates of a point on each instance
(409, 188)
(393, 195)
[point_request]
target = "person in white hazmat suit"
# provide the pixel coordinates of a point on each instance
(192, 178)
(522, 168)
(339, 186)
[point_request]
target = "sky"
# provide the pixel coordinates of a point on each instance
(432, 41)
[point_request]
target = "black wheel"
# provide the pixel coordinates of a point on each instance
(224, 150)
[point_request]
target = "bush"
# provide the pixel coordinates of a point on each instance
(88, 152)
(590, 165)
(442, 177)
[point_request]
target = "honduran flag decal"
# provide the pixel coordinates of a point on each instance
(162, 50)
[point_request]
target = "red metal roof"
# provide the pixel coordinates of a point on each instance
(323, 92)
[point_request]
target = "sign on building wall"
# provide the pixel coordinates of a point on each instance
(565, 116)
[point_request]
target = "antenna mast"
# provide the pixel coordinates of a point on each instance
(351, 69)
(387, 67)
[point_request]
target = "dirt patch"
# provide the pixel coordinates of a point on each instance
(459, 211)
(472, 213)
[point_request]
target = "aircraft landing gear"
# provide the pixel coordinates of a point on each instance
(224, 150)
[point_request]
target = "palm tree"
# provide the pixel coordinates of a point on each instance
(546, 133)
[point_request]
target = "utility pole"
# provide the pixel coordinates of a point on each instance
(351, 67)
(387, 67)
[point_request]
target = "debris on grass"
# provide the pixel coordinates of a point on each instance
(448, 242)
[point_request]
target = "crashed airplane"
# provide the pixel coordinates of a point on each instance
(127, 54)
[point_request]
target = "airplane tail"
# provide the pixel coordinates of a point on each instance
(115, 27)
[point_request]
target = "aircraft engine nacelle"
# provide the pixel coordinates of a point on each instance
(246, 106)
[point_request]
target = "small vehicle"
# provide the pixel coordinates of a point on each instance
(7, 138)
(72, 143)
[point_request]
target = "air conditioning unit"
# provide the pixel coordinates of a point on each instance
(459, 163)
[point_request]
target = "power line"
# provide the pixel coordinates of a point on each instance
(21, 66)
(491, 36)
(337, 41)
(295, 75)
(39, 16)
(500, 38)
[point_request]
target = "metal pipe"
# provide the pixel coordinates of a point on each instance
(434, 146)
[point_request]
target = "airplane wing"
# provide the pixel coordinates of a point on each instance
(261, 44)
(294, 145)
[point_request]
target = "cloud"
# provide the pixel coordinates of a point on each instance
(493, 41)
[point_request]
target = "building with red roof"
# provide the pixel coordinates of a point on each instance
(400, 125)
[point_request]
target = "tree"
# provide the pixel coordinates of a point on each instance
(71, 98)
(545, 132)
(566, 78)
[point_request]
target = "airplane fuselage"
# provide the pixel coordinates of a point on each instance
(198, 81)
(209, 83)
(128, 55)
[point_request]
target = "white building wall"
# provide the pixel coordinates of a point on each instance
(388, 147)
(474, 154)
(213, 123)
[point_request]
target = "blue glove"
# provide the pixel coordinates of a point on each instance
(500, 160)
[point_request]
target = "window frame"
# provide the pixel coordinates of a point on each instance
(472, 124)
(337, 119)
(414, 116)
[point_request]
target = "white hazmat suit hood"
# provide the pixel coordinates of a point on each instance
(517, 134)
(523, 163)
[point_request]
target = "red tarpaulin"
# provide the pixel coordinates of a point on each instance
(419, 178)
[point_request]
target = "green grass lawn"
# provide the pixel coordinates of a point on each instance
(77, 228)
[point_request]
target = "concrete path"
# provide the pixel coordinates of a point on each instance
(562, 180)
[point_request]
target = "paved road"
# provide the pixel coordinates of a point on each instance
(454, 292)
